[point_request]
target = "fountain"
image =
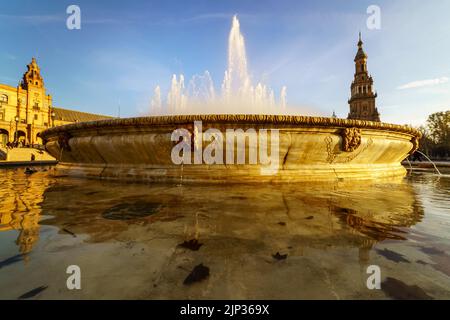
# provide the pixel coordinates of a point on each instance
(194, 120)
(238, 94)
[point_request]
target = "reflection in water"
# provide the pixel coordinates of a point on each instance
(223, 212)
(162, 232)
(131, 210)
(20, 206)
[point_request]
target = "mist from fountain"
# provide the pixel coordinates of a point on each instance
(238, 94)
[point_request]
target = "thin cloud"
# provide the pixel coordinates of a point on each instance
(10, 56)
(52, 18)
(217, 16)
(208, 16)
(58, 18)
(35, 19)
(395, 106)
(423, 83)
(104, 21)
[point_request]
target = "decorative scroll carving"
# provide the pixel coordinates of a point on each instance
(63, 141)
(354, 155)
(415, 143)
(351, 139)
(333, 156)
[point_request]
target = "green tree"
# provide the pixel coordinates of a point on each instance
(439, 127)
(426, 145)
(435, 139)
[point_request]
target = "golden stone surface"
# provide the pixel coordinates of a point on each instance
(310, 148)
(30, 104)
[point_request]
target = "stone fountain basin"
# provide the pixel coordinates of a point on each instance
(310, 149)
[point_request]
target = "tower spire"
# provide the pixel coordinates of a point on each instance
(32, 77)
(362, 100)
(360, 43)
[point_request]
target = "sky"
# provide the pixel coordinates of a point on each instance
(125, 48)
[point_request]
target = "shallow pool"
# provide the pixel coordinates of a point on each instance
(295, 241)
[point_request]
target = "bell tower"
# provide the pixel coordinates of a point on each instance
(362, 100)
(32, 77)
(34, 105)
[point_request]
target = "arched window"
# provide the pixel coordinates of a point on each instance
(4, 98)
(4, 137)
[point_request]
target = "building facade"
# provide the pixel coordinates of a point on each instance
(362, 100)
(27, 110)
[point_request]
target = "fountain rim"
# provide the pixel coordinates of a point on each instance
(258, 119)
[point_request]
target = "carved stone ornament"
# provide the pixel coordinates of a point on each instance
(63, 141)
(415, 143)
(235, 119)
(351, 139)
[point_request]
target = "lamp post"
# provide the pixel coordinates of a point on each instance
(53, 115)
(15, 133)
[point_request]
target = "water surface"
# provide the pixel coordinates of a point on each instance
(293, 241)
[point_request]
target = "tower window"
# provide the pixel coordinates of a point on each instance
(4, 98)
(35, 117)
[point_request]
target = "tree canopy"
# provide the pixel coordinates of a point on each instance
(436, 135)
